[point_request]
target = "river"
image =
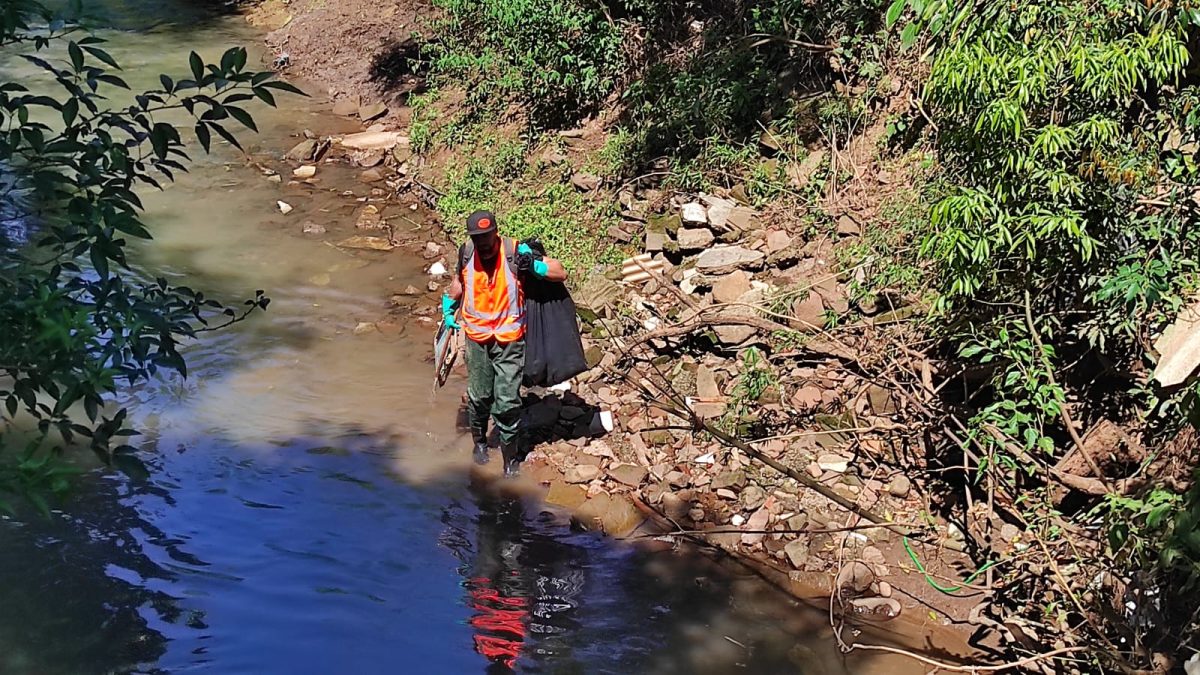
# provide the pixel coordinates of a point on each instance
(307, 508)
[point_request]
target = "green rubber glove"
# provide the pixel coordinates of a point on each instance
(539, 267)
(448, 307)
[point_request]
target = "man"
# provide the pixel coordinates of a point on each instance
(489, 287)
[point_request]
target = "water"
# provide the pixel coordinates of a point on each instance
(308, 508)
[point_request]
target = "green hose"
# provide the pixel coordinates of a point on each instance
(936, 585)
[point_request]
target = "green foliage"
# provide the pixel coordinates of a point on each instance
(572, 228)
(78, 324)
(754, 380)
(558, 57)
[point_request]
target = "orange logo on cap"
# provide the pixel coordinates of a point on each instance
(485, 223)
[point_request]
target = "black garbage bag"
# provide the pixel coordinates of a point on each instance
(553, 350)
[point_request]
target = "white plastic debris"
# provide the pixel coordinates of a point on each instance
(737, 520)
(710, 458)
(437, 269)
(561, 387)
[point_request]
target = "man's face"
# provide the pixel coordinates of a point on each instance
(487, 245)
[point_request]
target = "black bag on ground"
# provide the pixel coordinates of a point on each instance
(553, 350)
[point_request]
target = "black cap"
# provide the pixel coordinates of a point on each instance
(481, 222)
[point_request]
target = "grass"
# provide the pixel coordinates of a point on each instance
(498, 178)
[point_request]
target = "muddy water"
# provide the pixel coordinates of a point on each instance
(307, 509)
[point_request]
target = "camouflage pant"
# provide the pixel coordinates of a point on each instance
(494, 373)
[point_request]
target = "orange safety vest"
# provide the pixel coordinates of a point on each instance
(493, 306)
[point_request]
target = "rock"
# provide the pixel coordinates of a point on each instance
(346, 107)
(884, 590)
(899, 486)
(369, 243)
(757, 521)
(302, 151)
(881, 400)
(1009, 532)
(834, 296)
(798, 522)
(726, 259)
(855, 577)
(629, 474)
(431, 250)
(806, 398)
(694, 213)
(581, 473)
(726, 493)
(727, 479)
(848, 227)
(718, 211)
(275, 178)
(617, 233)
(696, 515)
(585, 182)
(876, 608)
(706, 383)
(809, 313)
(371, 176)
(655, 241)
(833, 463)
(369, 218)
(593, 355)
(284, 207)
(411, 290)
(667, 222)
(797, 553)
(753, 497)
(734, 336)
(313, 228)
(306, 171)
(694, 239)
(368, 160)
(437, 269)
(731, 287)
(778, 240)
(363, 328)
(554, 156)
(374, 140)
(432, 286)
(800, 174)
(741, 218)
(873, 556)
(372, 111)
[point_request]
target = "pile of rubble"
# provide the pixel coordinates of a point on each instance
(704, 262)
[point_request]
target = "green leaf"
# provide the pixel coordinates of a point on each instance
(197, 65)
(242, 116)
(909, 36)
(76, 56)
(70, 110)
(203, 135)
(227, 136)
(895, 10)
(265, 95)
(284, 86)
(167, 83)
(99, 261)
(103, 56)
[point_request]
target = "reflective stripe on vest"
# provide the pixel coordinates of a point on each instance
(505, 322)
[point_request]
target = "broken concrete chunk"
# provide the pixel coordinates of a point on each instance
(629, 474)
(306, 171)
(1179, 348)
(731, 287)
(833, 463)
(694, 213)
(778, 240)
(374, 140)
(719, 210)
(797, 553)
(694, 239)
(284, 207)
(848, 227)
(741, 218)
(655, 241)
(302, 151)
(725, 259)
(581, 473)
(729, 479)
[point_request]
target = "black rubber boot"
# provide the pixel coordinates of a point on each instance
(512, 459)
(481, 453)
